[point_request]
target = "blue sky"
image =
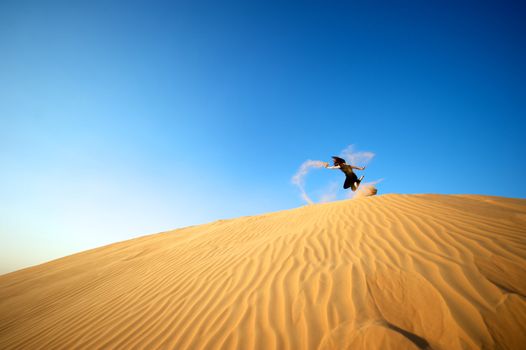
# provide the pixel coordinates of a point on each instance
(123, 118)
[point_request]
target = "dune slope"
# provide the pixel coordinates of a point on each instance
(392, 271)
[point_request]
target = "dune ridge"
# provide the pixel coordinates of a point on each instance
(383, 272)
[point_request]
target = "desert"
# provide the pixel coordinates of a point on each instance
(385, 272)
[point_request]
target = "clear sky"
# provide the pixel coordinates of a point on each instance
(124, 118)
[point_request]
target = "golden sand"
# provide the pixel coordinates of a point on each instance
(384, 272)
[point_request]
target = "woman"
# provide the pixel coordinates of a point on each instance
(351, 180)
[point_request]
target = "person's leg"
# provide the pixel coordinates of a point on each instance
(356, 183)
(349, 181)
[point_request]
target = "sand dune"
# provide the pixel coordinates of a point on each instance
(384, 272)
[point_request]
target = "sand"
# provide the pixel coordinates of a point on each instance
(383, 272)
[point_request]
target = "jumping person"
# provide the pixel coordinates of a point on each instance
(351, 180)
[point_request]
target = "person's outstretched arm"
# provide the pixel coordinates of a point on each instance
(332, 167)
(357, 167)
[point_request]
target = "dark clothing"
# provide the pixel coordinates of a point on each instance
(347, 170)
(350, 180)
(350, 177)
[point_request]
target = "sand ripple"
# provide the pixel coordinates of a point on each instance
(385, 272)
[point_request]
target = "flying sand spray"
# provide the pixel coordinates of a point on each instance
(365, 189)
(299, 178)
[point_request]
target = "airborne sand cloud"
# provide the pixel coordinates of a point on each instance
(351, 155)
(299, 178)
